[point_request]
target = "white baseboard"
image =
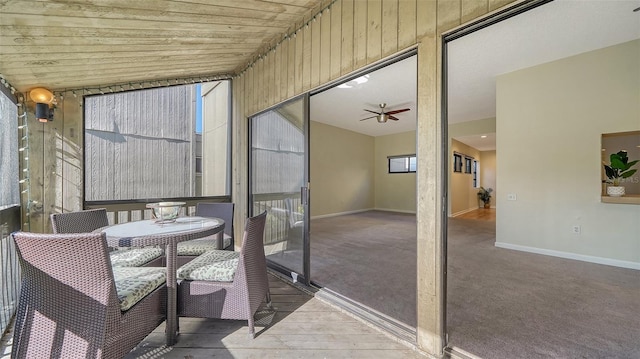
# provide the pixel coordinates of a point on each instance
(360, 211)
(341, 213)
(568, 255)
(394, 210)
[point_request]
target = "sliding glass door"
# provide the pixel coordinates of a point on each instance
(278, 181)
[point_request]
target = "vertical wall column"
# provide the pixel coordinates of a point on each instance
(430, 284)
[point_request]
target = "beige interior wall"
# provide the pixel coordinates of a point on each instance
(478, 127)
(341, 170)
(488, 174)
(463, 196)
(469, 128)
(394, 191)
(554, 115)
(215, 133)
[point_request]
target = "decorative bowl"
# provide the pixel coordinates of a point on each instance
(166, 212)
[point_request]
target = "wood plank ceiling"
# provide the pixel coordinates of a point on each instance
(68, 44)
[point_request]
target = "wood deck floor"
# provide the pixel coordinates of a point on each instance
(301, 327)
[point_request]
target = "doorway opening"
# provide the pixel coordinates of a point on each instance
(531, 283)
(363, 194)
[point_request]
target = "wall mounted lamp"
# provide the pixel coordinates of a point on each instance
(43, 99)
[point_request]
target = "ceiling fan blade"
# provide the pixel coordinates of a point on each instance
(397, 111)
(393, 117)
(368, 118)
(377, 113)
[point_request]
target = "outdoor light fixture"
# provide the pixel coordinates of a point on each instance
(43, 99)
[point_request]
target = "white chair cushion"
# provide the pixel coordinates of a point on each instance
(197, 247)
(135, 257)
(134, 283)
(215, 265)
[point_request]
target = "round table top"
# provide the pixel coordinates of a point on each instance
(152, 231)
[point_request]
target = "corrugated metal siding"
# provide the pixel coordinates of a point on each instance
(10, 193)
(278, 154)
(138, 144)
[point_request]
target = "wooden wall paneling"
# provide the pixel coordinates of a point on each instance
(306, 58)
(336, 39)
(270, 77)
(325, 47)
(259, 90)
(299, 62)
(262, 86)
(240, 88)
(407, 17)
(471, 9)
(252, 103)
(374, 30)
(427, 12)
(247, 93)
(267, 77)
(496, 4)
(448, 15)
(37, 152)
(279, 80)
(346, 53)
(389, 27)
(274, 72)
(316, 52)
(290, 64)
(52, 191)
(264, 78)
(360, 27)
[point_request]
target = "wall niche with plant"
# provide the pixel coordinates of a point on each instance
(620, 164)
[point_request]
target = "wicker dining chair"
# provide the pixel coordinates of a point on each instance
(225, 284)
(189, 250)
(74, 304)
(92, 219)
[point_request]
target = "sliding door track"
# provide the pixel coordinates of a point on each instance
(400, 330)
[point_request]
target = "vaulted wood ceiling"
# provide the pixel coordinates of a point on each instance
(65, 44)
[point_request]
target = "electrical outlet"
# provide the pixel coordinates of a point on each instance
(511, 197)
(576, 230)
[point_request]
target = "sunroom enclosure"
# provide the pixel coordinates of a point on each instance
(349, 36)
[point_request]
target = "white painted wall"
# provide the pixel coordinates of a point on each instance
(549, 121)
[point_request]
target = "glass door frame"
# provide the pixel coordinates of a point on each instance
(304, 277)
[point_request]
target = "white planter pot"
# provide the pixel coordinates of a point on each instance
(615, 191)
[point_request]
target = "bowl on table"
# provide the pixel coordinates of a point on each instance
(166, 212)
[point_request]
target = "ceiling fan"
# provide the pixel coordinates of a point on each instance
(382, 116)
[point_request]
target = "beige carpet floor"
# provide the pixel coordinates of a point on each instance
(501, 303)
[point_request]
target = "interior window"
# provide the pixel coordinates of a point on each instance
(402, 164)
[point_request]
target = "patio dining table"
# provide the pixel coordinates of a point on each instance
(155, 233)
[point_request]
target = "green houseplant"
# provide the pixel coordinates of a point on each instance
(618, 169)
(484, 194)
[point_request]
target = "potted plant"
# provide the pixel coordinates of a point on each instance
(618, 168)
(484, 194)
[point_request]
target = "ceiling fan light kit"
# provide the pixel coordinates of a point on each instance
(383, 117)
